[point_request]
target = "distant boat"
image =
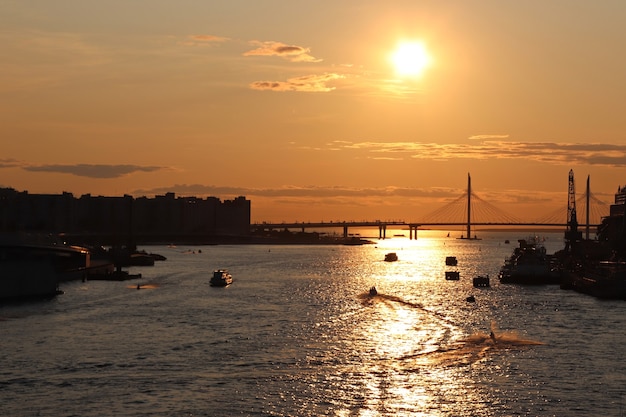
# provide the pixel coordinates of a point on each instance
(481, 281)
(221, 278)
(451, 261)
(452, 275)
(391, 257)
(373, 291)
(469, 237)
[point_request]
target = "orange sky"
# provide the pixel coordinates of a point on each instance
(298, 106)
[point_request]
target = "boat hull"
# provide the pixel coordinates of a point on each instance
(22, 280)
(221, 278)
(33, 269)
(452, 275)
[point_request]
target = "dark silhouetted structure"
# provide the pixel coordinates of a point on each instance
(162, 218)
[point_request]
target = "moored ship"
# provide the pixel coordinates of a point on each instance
(604, 280)
(32, 267)
(529, 265)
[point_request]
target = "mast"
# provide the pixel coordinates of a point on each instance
(469, 204)
(588, 196)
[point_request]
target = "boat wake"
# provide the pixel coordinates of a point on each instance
(470, 350)
(464, 351)
(142, 286)
(370, 299)
(501, 340)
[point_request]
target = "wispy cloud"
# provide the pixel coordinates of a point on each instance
(486, 137)
(9, 163)
(92, 171)
(549, 152)
(299, 191)
(203, 40)
(291, 53)
(306, 83)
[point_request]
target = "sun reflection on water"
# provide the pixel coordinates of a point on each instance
(417, 357)
(416, 346)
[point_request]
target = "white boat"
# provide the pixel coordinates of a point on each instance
(221, 278)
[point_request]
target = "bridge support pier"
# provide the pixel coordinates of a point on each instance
(345, 232)
(411, 229)
(382, 231)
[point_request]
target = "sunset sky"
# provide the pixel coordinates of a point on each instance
(301, 107)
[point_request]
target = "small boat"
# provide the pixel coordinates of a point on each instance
(221, 278)
(391, 257)
(452, 275)
(373, 291)
(481, 281)
(451, 261)
(471, 299)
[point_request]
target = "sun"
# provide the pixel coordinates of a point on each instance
(410, 59)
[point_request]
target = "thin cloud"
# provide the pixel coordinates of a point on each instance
(93, 171)
(10, 163)
(300, 191)
(549, 152)
(204, 40)
(487, 137)
(308, 83)
(291, 53)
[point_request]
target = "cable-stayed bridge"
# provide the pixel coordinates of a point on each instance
(468, 211)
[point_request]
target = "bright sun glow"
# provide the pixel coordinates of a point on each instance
(411, 59)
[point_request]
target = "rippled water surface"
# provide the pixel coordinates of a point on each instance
(297, 334)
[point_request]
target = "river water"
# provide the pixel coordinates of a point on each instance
(297, 334)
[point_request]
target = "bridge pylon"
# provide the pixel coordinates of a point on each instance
(469, 210)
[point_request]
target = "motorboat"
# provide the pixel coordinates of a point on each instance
(221, 278)
(451, 261)
(373, 291)
(452, 275)
(391, 257)
(481, 281)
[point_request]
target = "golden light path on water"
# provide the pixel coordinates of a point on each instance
(415, 352)
(298, 334)
(420, 354)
